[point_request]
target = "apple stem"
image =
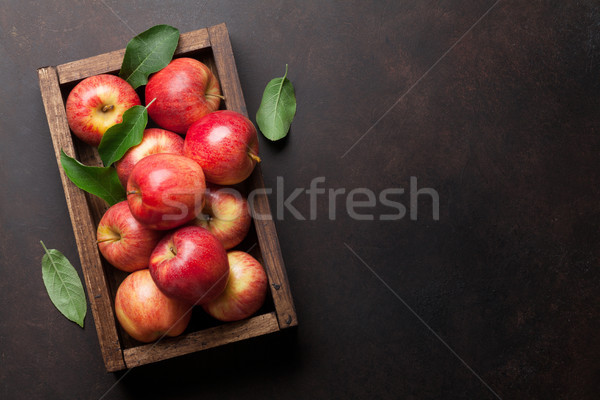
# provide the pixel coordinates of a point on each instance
(148, 105)
(108, 108)
(132, 192)
(253, 156)
(215, 95)
(106, 240)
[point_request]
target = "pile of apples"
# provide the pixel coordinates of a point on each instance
(175, 231)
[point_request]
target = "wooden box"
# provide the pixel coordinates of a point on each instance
(119, 350)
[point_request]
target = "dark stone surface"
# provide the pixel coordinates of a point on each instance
(506, 128)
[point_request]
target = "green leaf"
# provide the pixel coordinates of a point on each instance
(102, 182)
(148, 52)
(277, 108)
(120, 137)
(63, 285)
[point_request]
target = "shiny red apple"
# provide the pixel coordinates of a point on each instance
(185, 91)
(165, 190)
(154, 141)
(225, 215)
(245, 291)
(225, 144)
(190, 264)
(123, 241)
(145, 312)
(96, 104)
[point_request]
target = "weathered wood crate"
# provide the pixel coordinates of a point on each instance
(119, 350)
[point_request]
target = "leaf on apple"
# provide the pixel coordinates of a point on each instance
(63, 285)
(100, 181)
(121, 137)
(148, 52)
(277, 108)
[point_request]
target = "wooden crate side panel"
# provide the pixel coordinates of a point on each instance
(100, 64)
(271, 253)
(83, 226)
(201, 340)
(228, 76)
(111, 62)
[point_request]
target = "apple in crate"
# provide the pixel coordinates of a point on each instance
(185, 91)
(123, 241)
(225, 144)
(96, 104)
(245, 291)
(165, 190)
(225, 215)
(145, 312)
(154, 141)
(190, 264)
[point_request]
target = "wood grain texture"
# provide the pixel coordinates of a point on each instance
(271, 253)
(83, 226)
(227, 71)
(201, 340)
(111, 62)
(100, 64)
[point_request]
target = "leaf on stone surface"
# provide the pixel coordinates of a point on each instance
(148, 52)
(277, 108)
(121, 137)
(63, 285)
(100, 181)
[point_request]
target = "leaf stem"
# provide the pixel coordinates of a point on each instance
(44, 246)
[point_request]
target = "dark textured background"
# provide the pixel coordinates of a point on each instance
(506, 128)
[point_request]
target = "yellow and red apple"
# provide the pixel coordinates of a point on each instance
(225, 215)
(123, 241)
(145, 312)
(97, 103)
(245, 291)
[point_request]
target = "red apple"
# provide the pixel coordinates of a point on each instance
(190, 264)
(245, 291)
(123, 241)
(225, 144)
(165, 190)
(145, 312)
(225, 215)
(154, 141)
(185, 91)
(96, 104)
